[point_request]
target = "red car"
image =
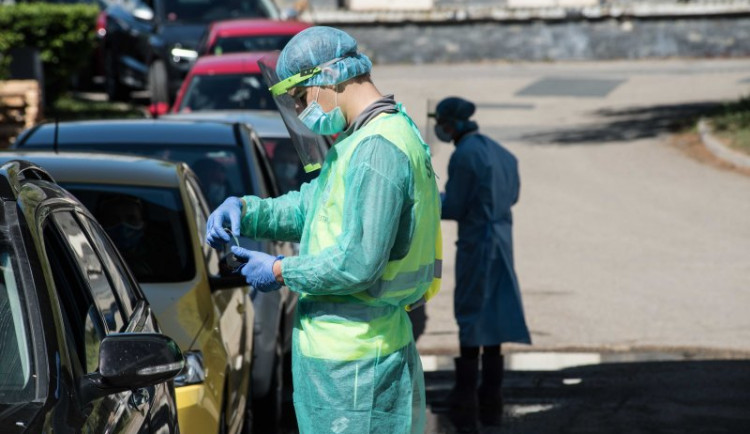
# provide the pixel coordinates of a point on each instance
(248, 35)
(228, 82)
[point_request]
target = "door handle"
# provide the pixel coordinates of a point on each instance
(139, 399)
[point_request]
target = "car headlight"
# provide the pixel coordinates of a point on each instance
(179, 54)
(193, 372)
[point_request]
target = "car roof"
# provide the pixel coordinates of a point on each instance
(247, 27)
(231, 63)
(267, 123)
(14, 172)
(132, 131)
(99, 168)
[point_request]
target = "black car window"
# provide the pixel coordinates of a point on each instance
(119, 276)
(92, 270)
(17, 371)
(227, 92)
(84, 325)
(286, 165)
(243, 44)
(147, 225)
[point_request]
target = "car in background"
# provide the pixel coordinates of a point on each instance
(81, 347)
(278, 146)
(243, 168)
(151, 44)
(227, 82)
(155, 214)
(248, 35)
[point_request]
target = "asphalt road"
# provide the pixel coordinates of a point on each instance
(623, 241)
(632, 254)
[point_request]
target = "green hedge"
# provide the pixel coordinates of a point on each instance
(63, 34)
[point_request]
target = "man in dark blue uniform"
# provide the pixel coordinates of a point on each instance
(483, 184)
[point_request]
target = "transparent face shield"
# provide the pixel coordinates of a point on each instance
(311, 147)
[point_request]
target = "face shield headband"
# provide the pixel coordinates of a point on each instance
(283, 86)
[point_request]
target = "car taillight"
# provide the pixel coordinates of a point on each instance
(101, 24)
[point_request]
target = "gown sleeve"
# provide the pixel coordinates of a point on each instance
(280, 218)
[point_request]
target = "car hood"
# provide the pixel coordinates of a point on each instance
(17, 418)
(186, 35)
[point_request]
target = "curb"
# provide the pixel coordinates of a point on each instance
(719, 149)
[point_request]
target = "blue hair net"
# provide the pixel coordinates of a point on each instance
(457, 111)
(317, 45)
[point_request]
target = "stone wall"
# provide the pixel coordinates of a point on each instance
(477, 30)
(554, 40)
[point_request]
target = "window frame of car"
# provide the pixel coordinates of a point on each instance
(32, 299)
(200, 209)
(258, 161)
(48, 226)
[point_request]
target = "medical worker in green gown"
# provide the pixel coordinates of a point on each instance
(370, 247)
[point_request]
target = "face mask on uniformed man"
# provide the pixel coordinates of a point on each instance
(441, 134)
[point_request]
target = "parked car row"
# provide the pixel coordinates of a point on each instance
(152, 44)
(150, 185)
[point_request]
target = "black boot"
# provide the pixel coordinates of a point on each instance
(490, 395)
(462, 402)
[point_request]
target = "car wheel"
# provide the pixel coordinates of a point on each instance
(269, 407)
(157, 82)
(115, 90)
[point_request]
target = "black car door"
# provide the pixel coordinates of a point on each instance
(91, 310)
(163, 415)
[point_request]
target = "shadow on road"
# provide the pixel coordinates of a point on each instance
(626, 124)
(648, 397)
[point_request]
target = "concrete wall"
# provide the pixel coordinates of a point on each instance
(698, 37)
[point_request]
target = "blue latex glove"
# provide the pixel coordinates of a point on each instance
(258, 271)
(228, 214)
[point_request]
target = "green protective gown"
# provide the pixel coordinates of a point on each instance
(369, 233)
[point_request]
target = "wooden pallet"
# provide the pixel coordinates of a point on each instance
(20, 108)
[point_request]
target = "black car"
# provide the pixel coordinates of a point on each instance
(229, 160)
(151, 44)
(80, 348)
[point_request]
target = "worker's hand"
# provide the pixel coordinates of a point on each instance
(228, 214)
(258, 271)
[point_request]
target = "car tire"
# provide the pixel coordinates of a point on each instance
(112, 86)
(270, 406)
(157, 82)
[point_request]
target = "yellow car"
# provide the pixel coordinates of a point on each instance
(155, 213)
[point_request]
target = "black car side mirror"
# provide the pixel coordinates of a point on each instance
(129, 361)
(226, 280)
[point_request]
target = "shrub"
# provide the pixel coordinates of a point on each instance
(63, 34)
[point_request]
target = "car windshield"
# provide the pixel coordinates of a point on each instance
(286, 164)
(17, 371)
(227, 92)
(205, 11)
(242, 44)
(147, 224)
